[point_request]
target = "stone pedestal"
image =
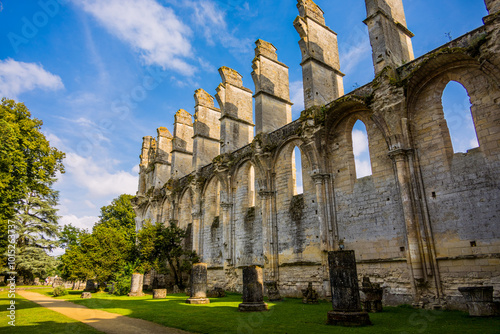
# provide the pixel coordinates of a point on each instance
(480, 301)
(373, 296)
(198, 284)
(273, 294)
(253, 290)
(159, 293)
(310, 296)
(86, 295)
(136, 285)
(345, 291)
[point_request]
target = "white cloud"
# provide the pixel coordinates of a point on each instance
(363, 168)
(18, 77)
(151, 29)
(96, 179)
(359, 142)
(354, 50)
(85, 222)
(211, 19)
(136, 169)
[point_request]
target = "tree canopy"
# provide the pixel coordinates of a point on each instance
(28, 169)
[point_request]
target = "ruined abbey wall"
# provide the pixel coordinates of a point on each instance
(424, 223)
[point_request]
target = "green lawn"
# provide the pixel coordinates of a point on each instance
(290, 316)
(32, 318)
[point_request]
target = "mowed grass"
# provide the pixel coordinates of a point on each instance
(32, 318)
(289, 316)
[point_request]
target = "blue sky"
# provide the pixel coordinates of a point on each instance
(102, 74)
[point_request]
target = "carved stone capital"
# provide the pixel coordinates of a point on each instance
(266, 194)
(226, 206)
(196, 214)
(320, 178)
(400, 154)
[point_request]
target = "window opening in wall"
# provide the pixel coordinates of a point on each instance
(360, 150)
(458, 116)
(251, 187)
(297, 171)
(217, 198)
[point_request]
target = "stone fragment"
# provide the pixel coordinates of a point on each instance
(198, 284)
(479, 301)
(310, 296)
(273, 293)
(159, 293)
(136, 285)
(216, 292)
(86, 295)
(345, 291)
(372, 301)
(253, 290)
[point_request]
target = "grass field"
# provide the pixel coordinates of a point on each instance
(289, 316)
(34, 319)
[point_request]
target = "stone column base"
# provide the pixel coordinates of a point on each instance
(135, 294)
(348, 319)
(252, 307)
(197, 301)
(159, 293)
(482, 309)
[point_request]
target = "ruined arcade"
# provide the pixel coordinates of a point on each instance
(427, 220)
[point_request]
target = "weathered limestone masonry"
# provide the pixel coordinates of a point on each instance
(423, 224)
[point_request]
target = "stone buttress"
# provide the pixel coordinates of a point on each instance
(321, 74)
(182, 150)
(273, 108)
(235, 101)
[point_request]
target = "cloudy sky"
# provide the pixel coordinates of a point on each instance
(102, 74)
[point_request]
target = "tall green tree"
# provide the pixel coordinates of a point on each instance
(120, 215)
(161, 248)
(28, 169)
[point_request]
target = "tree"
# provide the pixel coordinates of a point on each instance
(160, 247)
(28, 169)
(120, 215)
(102, 254)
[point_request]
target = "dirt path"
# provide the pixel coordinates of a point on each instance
(103, 321)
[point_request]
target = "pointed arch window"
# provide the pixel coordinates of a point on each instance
(297, 171)
(361, 150)
(251, 186)
(458, 116)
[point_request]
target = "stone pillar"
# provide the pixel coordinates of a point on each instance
(345, 291)
(147, 143)
(206, 140)
(235, 101)
(136, 284)
(493, 6)
(227, 232)
(182, 148)
(269, 235)
(322, 79)
(389, 37)
(162, 161)
(90, 286)
(196, 214)
(198, 284)
(253, 290)
(273, 293)
(325, 227)
(480, 301)
(273, 108)
(414, 256)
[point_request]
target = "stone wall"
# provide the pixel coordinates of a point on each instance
(424, 223)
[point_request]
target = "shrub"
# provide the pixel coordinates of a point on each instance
(122, 285)
(59, 291)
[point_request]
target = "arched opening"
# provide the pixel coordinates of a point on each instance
(458, 116)
(298, 187)
(361, 150)
(251, 187)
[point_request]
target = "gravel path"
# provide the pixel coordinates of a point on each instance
(103, 321)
